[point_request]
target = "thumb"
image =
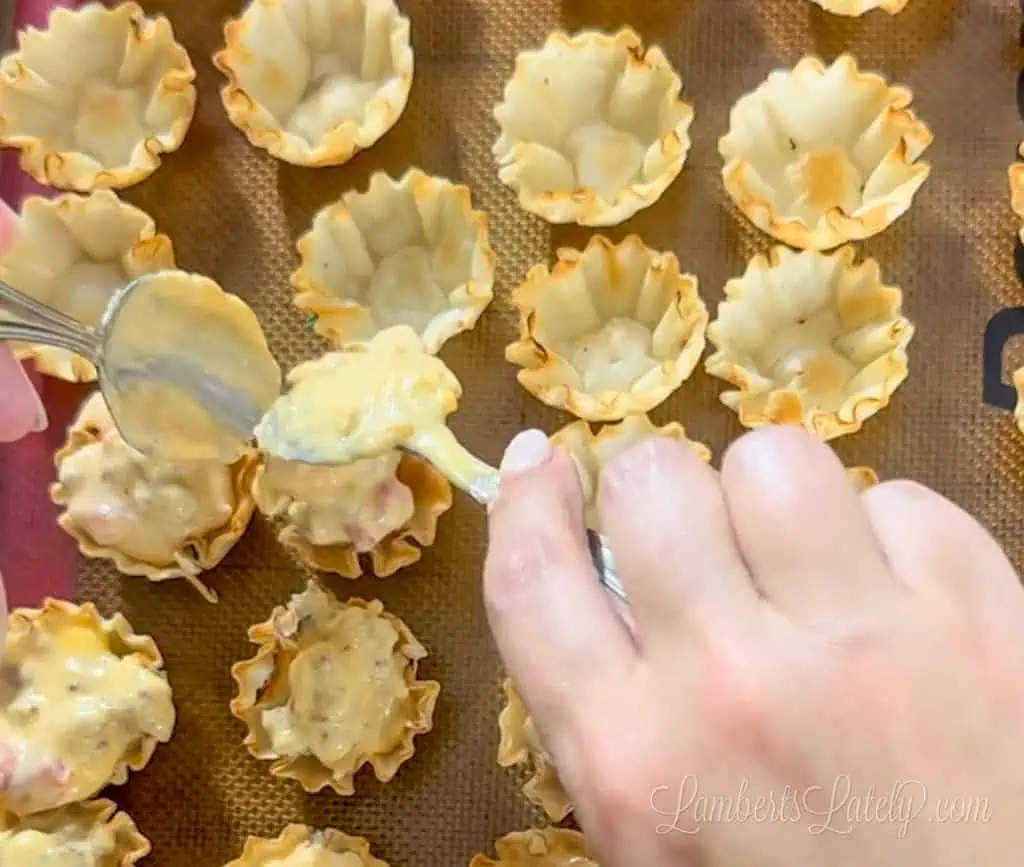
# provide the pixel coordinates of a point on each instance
(21, 410)
(551, 619)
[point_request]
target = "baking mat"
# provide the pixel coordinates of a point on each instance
(234, 213)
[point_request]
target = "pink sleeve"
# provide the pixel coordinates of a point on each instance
(36, 557)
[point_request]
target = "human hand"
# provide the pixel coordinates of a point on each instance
(797, 650)
(21, 410)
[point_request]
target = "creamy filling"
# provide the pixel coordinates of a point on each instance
(314, 855)
(348, 693)
(383, 395)
(65, 847)
(70, 700)
(358, 504)
(144, 509)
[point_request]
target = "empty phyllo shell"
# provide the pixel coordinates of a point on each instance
(73, 253)
(316, 81)
(810, 339)
(156, 519)
(302, 846)
(409, 252)
(520, 746)
(592, 451)
(101, 119)
(856, 8)
(608, 332)
(1018, 381)
(85, 834)
(1017, 188)
(539, 847)
(592, 128)
(84, 701)
(385, 508)
(332, 688)
(818, 156)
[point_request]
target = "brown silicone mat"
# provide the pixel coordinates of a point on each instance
(234, 213)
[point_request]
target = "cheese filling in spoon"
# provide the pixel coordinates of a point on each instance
(387, 394)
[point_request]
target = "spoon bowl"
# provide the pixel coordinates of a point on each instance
(175, 391)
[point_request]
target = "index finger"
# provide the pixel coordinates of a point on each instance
(550, 616)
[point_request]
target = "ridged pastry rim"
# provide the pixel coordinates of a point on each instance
(856, 8)
(585, 206)
(257, 851)
(432, 497)
(130, 844)
(152, 251)
(518, 746)
(1018, 413)
(331, 312)
(253, 676)
(524, 848)
(862, 478)
(197, 555)
(118, 633)
(52, 167)
(345, 140)
(836, 227)
(581, 441)
(1016, 178)
(539, 373)
(788, 404)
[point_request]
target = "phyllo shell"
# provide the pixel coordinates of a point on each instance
(316, 81)
(1016, 174)
(86, 701)
(1018, 381)
(302, 846)
(591, 451)
(386, 508)
(856, 8)
(539, 847)
(333, 687)
(159, 520)
(592, 128)
(84, 834)
(73, 253)
(609, 331)
(520, 746)
(407, 252)
(862, 478)
(810, 339)
(102, 118)
(817, 156)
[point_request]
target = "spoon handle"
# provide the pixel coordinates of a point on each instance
(49, 336)
(36, 322)
(482, 481)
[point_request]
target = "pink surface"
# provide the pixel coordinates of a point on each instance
(37, 558)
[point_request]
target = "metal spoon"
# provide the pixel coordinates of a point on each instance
(227, 412)
(235, 412)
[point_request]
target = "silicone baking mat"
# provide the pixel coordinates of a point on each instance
(234, 213)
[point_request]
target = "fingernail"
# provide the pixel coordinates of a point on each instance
(528, 449)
